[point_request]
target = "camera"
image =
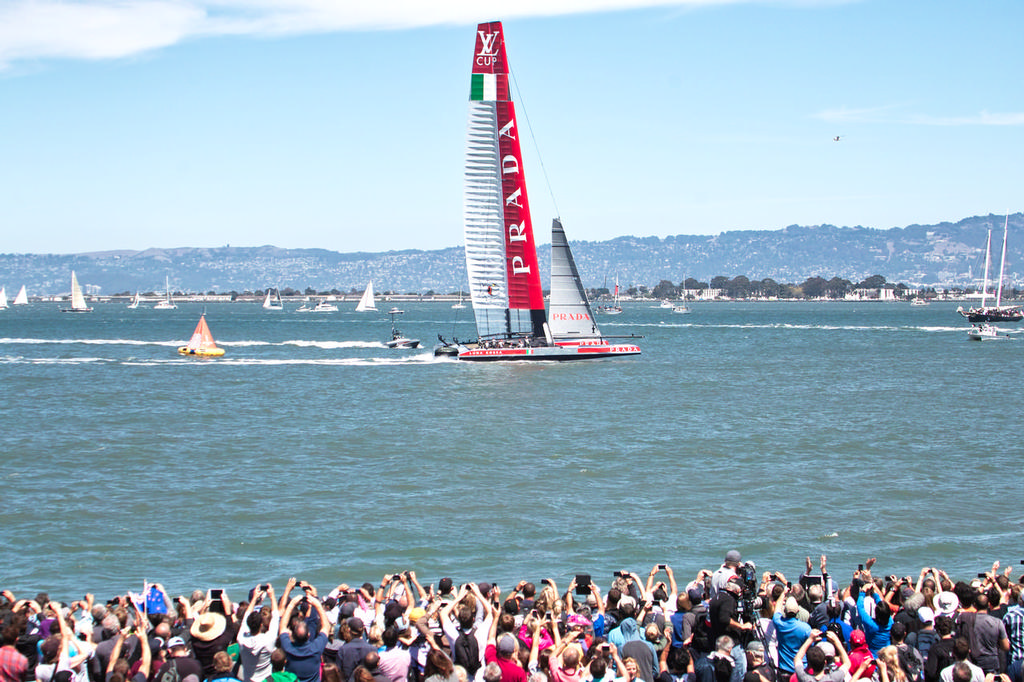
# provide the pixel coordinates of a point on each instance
(749, 602)
(583, 584)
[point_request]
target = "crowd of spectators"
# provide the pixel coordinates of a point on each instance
(733, 624)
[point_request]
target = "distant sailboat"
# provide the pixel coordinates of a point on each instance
(273, 301)
(167, 303)
(77, 300)
(21, 298)
(460, 305)
(367, 302)
(3, 298)
(614, 308)
(202, 344)
(998, 313)
(135, 301)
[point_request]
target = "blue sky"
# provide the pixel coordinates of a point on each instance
(321, 123)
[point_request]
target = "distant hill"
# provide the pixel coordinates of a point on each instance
(943, 255)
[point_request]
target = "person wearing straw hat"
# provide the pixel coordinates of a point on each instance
(211, 631)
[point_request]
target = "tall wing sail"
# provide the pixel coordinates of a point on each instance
(571, 316)
(501, 253)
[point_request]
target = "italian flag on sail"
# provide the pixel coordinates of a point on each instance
(484, 87)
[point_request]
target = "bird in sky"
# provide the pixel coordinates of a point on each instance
(837, 138)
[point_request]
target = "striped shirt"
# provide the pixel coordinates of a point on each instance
(1014, 622)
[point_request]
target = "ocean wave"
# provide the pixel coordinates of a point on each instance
(90, 342)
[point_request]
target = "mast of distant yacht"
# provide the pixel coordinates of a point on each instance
(1002, 263)
(988, 259)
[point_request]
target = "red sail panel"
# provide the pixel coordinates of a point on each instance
(524, 287)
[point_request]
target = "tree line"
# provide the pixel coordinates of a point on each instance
(690, 288)
(813, 287)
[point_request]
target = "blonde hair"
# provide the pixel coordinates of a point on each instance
(889, 655)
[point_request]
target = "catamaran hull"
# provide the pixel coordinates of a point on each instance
(555, 353)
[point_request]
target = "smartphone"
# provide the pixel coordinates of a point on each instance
(860, 567)
(265, 587)
(582, 583)
(981, 575)
(216, 594)
(619, 574)
(662, 567)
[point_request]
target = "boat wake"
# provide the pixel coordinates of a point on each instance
(299, 343)
(392, 360)
(817, 327)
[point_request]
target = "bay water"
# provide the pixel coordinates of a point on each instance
(779, 429)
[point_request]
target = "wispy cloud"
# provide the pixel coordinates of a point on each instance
(983, 118)
(896, 114)
(104, 29)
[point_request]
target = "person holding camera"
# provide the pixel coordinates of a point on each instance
(790, 631)
(724, 617)
(258, 635)
(303, 651)
(726, 572)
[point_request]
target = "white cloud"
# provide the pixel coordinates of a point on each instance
(889, 114)
(92, 30)
(103, 29)
(981, 119)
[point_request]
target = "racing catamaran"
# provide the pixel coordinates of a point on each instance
(501, 252)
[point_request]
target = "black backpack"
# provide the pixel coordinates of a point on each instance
(467, 651)
(701, 639)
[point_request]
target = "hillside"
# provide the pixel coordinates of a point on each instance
(943, 255)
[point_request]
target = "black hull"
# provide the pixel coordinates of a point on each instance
(992, 316)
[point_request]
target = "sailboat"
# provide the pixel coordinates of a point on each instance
(460, 305)
(21, 298)
(135, 301)
(202, 344)
(273, 300)
(614, 308)
(366, 302)
(77, 300)
(167, 303)
(998, 313)
(3, 298)
(501, 252)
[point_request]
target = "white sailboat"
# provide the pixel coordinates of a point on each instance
(501, 251)
(367, 302)
(3, 298)
(135, 301)
(166, 303)
(77, 300)
(273, 300)
(614, 308)
(460, 305)
(21, 298)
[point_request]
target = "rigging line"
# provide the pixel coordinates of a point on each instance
(536, 147)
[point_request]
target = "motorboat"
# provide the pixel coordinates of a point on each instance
(399, 340)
